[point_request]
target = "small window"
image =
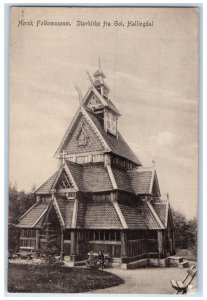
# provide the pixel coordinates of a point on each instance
(82, 137)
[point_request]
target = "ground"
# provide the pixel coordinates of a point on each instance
(146, 281)
(27, 278)
(81, 280)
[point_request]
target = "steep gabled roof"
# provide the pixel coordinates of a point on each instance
(91, 177)
(122, 180)
(45, 188)
(117, 145)
(139, 216)
(162, 209)
(105, 101)
(33, 216)
(94, 177)
(143, 180)
(87, 178)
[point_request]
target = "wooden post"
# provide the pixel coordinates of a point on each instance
(37, 240)
(123, 245)
(73, 245)
(62, 244)
(160, 243)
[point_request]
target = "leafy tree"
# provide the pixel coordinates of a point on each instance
(19, 203)
(185, 232)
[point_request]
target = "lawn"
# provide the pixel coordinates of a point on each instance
(52, 279)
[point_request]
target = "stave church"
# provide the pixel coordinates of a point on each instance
(101, 197)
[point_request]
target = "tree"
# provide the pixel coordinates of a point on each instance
(185, 232)
(19, 203)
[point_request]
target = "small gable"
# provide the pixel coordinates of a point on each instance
(52, 218)
(93, 102)
(64, 181)
(155, 187)
(82, 138)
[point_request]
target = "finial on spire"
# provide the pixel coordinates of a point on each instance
(167, 196)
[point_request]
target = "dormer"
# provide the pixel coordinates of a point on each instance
(110, 121)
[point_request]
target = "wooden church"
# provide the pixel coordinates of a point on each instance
(101, 197)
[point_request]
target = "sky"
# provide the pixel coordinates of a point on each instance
(153, 76)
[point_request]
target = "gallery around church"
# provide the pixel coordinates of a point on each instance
(101, 197)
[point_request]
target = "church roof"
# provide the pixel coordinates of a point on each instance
(45, 188)
(117, 145)
(139, 216)
(122, 180)
(98, 214)
(91, 177)
(142, 180)
(94, 177)
(33, 216)
(101, 215)
(162, 210)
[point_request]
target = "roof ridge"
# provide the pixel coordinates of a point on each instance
(46, 181)
(28, 211)
(84, 111)
(155, 214)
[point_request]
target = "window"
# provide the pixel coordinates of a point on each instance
(64, 182)
(82, 137)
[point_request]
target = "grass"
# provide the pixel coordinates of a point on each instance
(52, 279)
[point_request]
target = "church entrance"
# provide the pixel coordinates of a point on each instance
(50, 235)
(50, 239)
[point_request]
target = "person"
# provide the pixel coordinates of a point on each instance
(101, 259)
(90, 259)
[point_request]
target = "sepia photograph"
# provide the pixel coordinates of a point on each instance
(103, 150)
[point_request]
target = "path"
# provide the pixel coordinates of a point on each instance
(145, 281)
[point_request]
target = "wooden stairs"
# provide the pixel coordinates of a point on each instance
(175, 261)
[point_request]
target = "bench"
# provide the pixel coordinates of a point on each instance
(181, 287)
(24, 253)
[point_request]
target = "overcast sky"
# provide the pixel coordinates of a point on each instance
(152, 73)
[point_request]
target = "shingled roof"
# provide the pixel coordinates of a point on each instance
(45, 188)
(162, 209)
(122, 180)
(66, 210)
(94, 177)
(139, 216)
(33, 216)
(90, 177)
(117, 146)
(101, 215)
(142, 180)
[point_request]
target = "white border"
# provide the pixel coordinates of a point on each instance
(3, 134)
